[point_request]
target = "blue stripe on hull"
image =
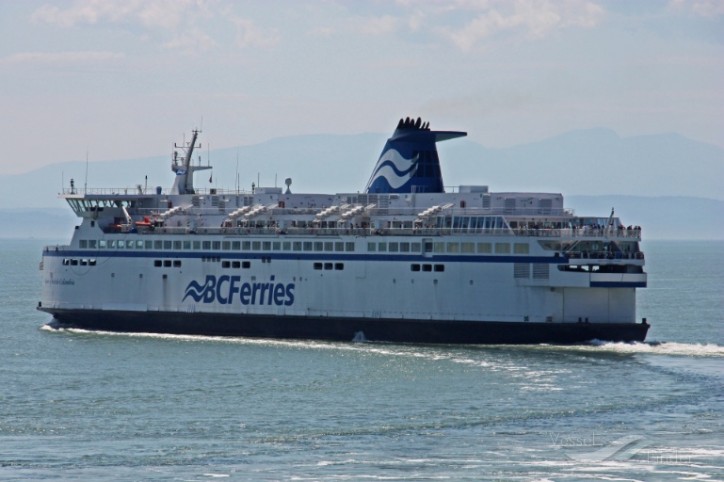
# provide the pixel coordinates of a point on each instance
(345, 329)
(618, 284)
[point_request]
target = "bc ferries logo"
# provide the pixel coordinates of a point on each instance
(394, 168)
(229, 289)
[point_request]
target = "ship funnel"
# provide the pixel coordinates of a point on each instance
(409, 162)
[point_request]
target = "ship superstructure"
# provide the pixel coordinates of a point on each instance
(402, 261)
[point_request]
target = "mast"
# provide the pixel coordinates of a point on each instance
(181, 165)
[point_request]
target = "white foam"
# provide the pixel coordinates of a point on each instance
(428, 352)
(661, 348)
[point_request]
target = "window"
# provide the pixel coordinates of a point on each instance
(416, 247)
(338, 246)
(83, 244)
(439, 247)
(157, 263)
(167, 245)
(415, 267)
(187, 245)
(439, 267)
(521, 248)
(166, 263)
(328, 246)
(383, 247)
(318, 245)
(236, 245)
(349, 247)
(453, 247)
(266, 245)
(502, 248)
(318, 266)
(307, 245)
(338, 266)
(206, 244)
(371, 247)
(246, 245)
(121, 244)
(176, 263)
(286, 246)
(225, 264)
(197, 244)
(256, 245)
(328, 266)
(226, 245)
(427, 267)
(404, 247)
(102, 243)
(467, 247)
(92, 244)
(177, 245)
(394, 247)
(485, 248)
(236, 264)
(216, 245)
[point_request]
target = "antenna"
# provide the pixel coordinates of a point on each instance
(85, 183)
(237, 171)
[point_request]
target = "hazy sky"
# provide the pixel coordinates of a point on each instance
(123, 79)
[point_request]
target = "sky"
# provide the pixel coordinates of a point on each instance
(111, 79)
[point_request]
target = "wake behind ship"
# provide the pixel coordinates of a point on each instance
(403, 261)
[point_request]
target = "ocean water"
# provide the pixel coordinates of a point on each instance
(88, 405)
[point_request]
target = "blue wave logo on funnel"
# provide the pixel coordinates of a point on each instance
(409, 162)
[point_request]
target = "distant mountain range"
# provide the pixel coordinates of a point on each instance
(667, 183)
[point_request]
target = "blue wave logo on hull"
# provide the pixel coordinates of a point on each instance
(197, 291)
(229, 289)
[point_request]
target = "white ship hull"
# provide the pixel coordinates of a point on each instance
(468, 267)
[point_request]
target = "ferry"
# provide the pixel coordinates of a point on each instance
(402, 260)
